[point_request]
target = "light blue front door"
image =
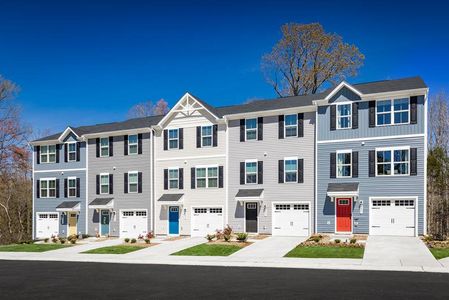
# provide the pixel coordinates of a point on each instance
(104, 222)
(173, 220)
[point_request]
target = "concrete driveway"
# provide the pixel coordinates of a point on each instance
(398, 251)
(271, 247)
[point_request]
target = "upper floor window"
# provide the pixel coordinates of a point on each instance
(133, 144)
(71, 151)
(47, 188)
(71, 186)
(173, 139)
(48, 154)
(392, 112)
(291, 170)
(250, 172)
(206, 136)
(344, 164)
(207, 177)
(344, 116)
(291, 125)
(133, 182)
(104, 147)
(173, 178)
(104, 183)
(392, 161)
(251, 129)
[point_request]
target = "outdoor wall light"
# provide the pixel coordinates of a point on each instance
(113, 168)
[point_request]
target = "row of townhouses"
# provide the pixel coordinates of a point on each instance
(347, 160)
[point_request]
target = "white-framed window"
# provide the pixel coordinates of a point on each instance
(47, 187)
(393, 112)
(393, 161)
(173, 139)
(251, 129)
(71, 151)
(48, 154)
(344, 163)
(206, 136)
(133, 144)
(104, 147)
(71, 187)
(344, 116)
(173, 178)
(291, 169)
(104, 183)
(207, 177)
(250, 171)
(133, 182)
(291, 125)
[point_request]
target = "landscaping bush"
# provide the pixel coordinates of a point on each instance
(73, 241)
(147, 241)
(227, 233)
(353, 241)
(149, 236)
(210, 237)
(242, 236)
(133, 241)
(72, 237)
(219, 234)
(62, 240)
(85, 236)
(54, 240)
(140, 237)
(46, 240)
(337, 241)
(126, 240)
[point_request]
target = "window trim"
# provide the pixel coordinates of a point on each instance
(206, 177)
(169, 139)
(136, 144)
(251, 129)
(68, 186)
(47, 188)
(285, 126)
(177, 179)
(108, 147)
(68, 151)
(392, 111)
(109, 188)
(337, 116)
(392, 162)
(350, 163)
(211, 136)
(285, 169)
(257, 175)
(136, 183)
(47, 154)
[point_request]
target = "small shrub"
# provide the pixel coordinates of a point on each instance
(227, 233)
(140, 237)
(73, 241)
(147, 241)
(337, 241)
(126, 240)
(316, 239)
(353, 241)
(219, 235)
(133, 241)
(226, 238)
(72, 237)
(46, 240)
(85, 236)
(62, 240)
(242, 236)
(210, 237)
(54, 240)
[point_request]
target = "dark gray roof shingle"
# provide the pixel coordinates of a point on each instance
(243, 193)
(68, 204)
(101, 201)
(170, 197)
(343, 187)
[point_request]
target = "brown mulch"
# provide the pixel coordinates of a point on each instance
(258, 237)
(220, 242)
(174, 238)
(143, 245)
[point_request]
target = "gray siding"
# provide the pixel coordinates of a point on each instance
(62, 164)
(270, 150)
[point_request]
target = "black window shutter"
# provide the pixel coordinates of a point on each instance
(125, 144)
(242, 130)
(355, 164)
(139, 182)
(97, 143)
(242, 172)
(111, 184)
(220, 176)
(98, 185)
(333, 165)
(355, 115)
(65, 188)
(215, 136)
(181, 178)
(111, 146)
(300, 170)
(57, 188)
(372, 163)
(78, 151)
(192, 178)
(413, 110)
(333, 122)
(413, 161)
(58, 146)
(125, 183)
(38, 155)
(281, 171)
(165, 179)
(372, 114)
(198, 136)
(260, 172)
(38, 189)
(66, 146)
(300, 125)
(78, 187)
(139, 143)
(260, 128)
(181, 138)
(165, 139)
(281, 126)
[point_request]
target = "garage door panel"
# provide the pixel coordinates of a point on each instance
(206, 220)
(133, 223)
(47, 225)
(291, 219)
(393, 217)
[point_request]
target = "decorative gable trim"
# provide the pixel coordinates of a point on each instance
(339, 87)
(66, 132)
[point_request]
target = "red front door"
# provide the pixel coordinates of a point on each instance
(344, 212)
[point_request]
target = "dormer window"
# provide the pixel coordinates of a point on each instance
(71, 151)
(48, 154)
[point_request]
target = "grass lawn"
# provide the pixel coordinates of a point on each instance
(119, 249)
(326, 252)
(440, 253)
(31, 247)
(209, 250)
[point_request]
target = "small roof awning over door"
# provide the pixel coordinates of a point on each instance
(343, 189)
(245, 195)
(68, 206)
(102, 203)
(171, 199)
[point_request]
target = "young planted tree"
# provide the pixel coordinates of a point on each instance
(306, 58)
(148, 108)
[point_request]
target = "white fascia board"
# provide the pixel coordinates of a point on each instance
(117, 132)
(66, 132)
(339, 87)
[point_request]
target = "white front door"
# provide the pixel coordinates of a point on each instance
(133, 223)
(392, 217)
(291, 219)
(206, 220)
(47, 224)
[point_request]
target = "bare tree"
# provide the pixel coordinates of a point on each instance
(439, 121)
(148, 108)
(306, 58)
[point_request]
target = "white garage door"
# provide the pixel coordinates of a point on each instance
(47, 224)
(206, 220)
(291, 219)
(392, 217)
(133, 223)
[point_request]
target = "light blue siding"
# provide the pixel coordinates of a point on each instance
(62, 164)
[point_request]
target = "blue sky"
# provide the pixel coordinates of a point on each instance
(79, 62)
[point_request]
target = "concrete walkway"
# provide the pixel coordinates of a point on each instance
(445, 262)
(395, 251)
(271, 247)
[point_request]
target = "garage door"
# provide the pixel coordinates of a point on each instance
(47, 224)
(291, 219)
(392, 217)
(133, 223)
(206, 220)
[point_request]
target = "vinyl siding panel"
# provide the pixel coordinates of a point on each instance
(62, 164)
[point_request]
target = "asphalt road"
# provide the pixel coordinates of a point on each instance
(62, 280)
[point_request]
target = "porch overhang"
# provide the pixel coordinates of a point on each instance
(171, 200)
(249, 195)
(102, 203)
(344, 189)
(69, 206)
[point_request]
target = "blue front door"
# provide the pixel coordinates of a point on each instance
(173, 220)
(104, 222)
